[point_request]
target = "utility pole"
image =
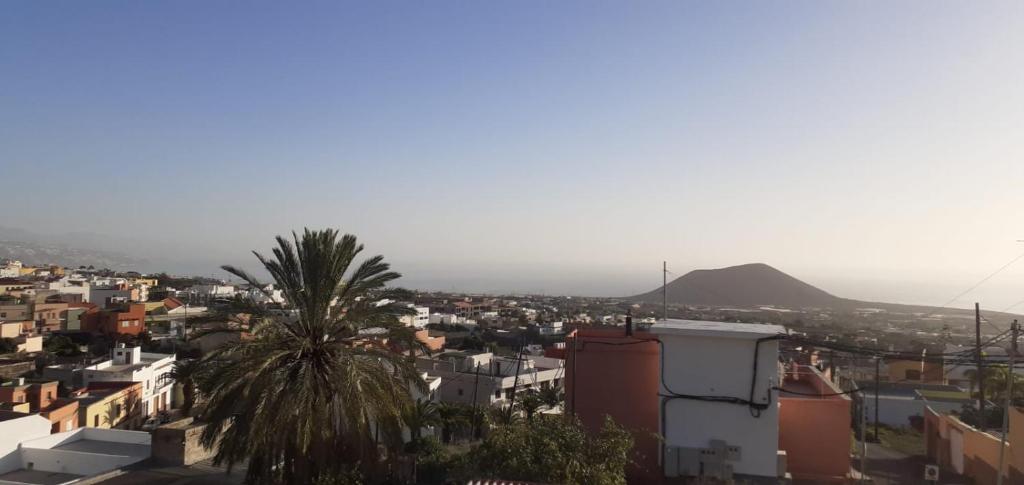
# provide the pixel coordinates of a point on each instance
(878, 371)
(977, 359)
(476, 387)
(515, 382)
(863, 433)
(664, 289)
(1014, 329)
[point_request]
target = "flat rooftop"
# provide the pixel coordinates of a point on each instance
(700, 328)
(105, 448)
(36, 477)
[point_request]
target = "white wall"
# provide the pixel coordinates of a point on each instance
(13, 432)
(709, 366)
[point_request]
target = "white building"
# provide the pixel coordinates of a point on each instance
(30, 454)
(705, 364)
(213, 291)
(419, 320)
(550, 328)
(268, 295)
(130, 364)
(71, 285)
(12, 269)
(489, 378)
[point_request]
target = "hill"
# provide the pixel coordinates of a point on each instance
(745, 286)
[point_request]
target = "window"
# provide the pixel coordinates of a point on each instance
(96, 421)
(912, 375)
(147, 384)
(460, 391)
(117, 409)
(497, 394)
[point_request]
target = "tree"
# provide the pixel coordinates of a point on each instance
(8, 345)
(185, 373)
(62, 346)
(553, 449)
(530, 403)
(420, 415)
(306, 397)
(552, 396)
(453, 417)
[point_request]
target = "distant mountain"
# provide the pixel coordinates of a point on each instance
(31, 248)
(744, 286)
(33, 253)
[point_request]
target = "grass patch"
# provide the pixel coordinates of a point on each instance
(904, 440)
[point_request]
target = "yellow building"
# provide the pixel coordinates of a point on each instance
(108, 405)
(915, 371)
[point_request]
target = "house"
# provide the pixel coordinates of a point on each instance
(915, 371)
(488, 378)
(41, 398)
(30, 454)
(127, 364)
(49, 317)
(23, 335)
(107, 404)
(419, 320)
(550, 328)
(16, 312)
(119, 320)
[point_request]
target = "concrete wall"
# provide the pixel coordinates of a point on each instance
(14, 431)
(980, 453)
(721, 366)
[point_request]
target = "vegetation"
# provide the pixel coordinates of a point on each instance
(62, 346)
(8, 345)
(904, 440)
(305, 400)
(553, 449)
(185, 373)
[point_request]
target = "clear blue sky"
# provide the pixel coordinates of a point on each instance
(868, 147)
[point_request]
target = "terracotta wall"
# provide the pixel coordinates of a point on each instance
(815, 432)
(608, 373)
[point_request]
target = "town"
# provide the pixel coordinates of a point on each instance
(103, 376)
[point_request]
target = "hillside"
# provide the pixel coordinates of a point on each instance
(748, 285)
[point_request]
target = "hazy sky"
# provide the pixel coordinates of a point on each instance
(871, 148)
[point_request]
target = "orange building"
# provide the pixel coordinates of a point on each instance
(41, 398)
(130, 320)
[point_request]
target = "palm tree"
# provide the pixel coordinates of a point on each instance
(552, 396)
(530, 403)
(453, 417)
(185, 373)
(306, 397)
(420, 415)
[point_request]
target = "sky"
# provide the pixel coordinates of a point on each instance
(873, 149)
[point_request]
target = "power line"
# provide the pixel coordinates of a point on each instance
(981, 282)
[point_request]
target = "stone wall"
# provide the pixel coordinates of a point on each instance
(178, 444)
